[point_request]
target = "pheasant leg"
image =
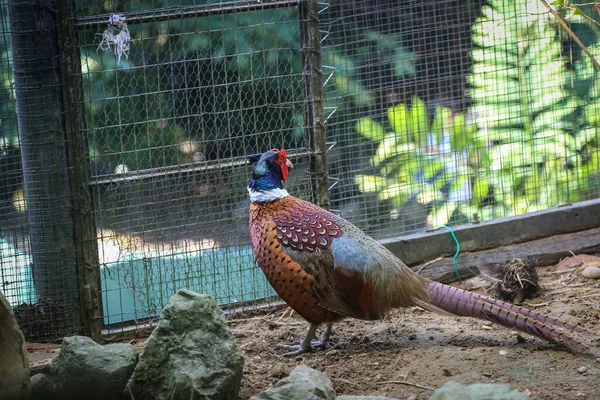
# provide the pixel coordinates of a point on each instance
(324, 342)
(304, 347)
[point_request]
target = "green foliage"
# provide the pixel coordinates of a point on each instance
(526, 110)
(535, 142)
(420, 158)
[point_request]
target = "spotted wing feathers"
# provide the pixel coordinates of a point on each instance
(305, 230)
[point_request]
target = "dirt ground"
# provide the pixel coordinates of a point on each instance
(413, 352)
(427, 350)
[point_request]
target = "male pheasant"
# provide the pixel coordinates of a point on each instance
(327, 269)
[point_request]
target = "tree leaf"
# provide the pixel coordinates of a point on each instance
(370, 129)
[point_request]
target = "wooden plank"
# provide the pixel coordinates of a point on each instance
(418, 248)
(84, 224)
(540, 252)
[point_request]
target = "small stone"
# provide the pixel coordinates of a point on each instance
(302, 383)
(101, 370)
(580, 394)
(352, 397)
(582, 370)
(41, 386)
(433, 327)
(453, 390)
(503, 352)
(591, 273)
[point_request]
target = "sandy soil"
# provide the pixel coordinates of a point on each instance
(422, 349)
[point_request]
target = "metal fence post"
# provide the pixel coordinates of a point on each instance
(314, 116)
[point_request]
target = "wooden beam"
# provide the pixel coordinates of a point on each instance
(418, 248)
(541, 252)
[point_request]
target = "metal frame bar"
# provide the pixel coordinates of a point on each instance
(182, 169)
(174, 13)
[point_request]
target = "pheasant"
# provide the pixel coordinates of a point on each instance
(326, 269)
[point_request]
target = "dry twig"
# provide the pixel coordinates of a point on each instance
(428, 263)
(408, 384)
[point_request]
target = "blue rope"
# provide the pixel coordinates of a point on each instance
(457, 250)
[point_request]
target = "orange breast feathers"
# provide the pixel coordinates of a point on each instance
(295, 285)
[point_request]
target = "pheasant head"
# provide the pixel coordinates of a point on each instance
(268, 175)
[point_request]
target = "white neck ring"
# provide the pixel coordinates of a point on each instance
(267, 195)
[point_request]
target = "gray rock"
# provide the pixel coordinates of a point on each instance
(190, 355)
(41, 386)
(101, 371)
(364, 398)
(592, 272)
(14, 367)
(303, 383)
(489, 391)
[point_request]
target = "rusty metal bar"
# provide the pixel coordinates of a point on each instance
(314, 119)
(183, 169)
(175, 13)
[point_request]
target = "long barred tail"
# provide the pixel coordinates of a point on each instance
(467, 304)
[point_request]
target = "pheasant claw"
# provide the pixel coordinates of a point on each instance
(324, 342)
(295, 349)
(305, 345)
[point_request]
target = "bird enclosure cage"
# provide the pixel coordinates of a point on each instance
(126, 127)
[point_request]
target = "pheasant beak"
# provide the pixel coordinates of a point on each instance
(289, 164)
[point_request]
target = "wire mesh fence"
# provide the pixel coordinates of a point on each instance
(39, 279)
(450, 112)
(15, 275)
(170, 127)
(437, 113)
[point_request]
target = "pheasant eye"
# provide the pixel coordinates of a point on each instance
(281, 160)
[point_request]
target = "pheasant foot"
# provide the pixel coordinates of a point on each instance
(308, 345)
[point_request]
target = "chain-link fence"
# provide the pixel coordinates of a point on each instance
(436, 113)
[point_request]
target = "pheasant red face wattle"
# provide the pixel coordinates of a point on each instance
(284, 164)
